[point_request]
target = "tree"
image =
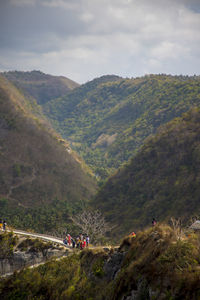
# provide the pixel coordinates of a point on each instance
(92, 223)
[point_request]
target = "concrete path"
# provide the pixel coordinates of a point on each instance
(41, 236)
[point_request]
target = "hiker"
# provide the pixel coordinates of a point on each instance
(87, 241)
(81, 245)
(84, 243)
(73, 243)
(132, 234)
(69, 239)
(1, 224)
(4, 225)
(65, 240)
(153, 222)
(77, 242)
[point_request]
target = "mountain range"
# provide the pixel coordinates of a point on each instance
(139, 136)
(108, 119)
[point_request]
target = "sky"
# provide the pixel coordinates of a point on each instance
(85, 39)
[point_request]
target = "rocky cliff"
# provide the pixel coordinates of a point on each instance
(19, 252)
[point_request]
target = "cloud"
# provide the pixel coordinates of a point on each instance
(23, 2)
(83, 39)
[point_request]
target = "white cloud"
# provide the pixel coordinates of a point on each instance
(23, 2)
(83, 38)
(60, 4)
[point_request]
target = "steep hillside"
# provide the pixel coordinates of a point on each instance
(107, 121)
(161, 181)
(42, 87)
(41, 179)
(153, 266)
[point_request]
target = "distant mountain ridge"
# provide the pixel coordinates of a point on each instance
(41, 180)
(108, 119)
(43, 87)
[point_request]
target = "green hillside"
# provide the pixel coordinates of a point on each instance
(108, 119)
(42, 87)
(161, 180)
(153, 266)
(41, 180)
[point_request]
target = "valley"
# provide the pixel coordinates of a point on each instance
(127, 150)
(135, 149)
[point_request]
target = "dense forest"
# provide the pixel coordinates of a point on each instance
(161, 180)
(42, 181)
(108, 119)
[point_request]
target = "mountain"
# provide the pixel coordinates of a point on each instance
(108, 119)
(42, 87)
(41, 179)
(161, 180)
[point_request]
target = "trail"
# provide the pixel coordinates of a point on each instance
(55, 239)
(41, 236)
(49, 239)
(21, 182)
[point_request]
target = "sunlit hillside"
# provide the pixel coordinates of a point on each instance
(108, 119)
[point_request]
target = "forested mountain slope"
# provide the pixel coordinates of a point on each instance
(42, 87)
(108, 120)
(41, 179)
(161, 181)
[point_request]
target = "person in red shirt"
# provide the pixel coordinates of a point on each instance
(69, 239)
(84, 243)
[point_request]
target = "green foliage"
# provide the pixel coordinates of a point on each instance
(34, 245)
(179, 256)
(54, 280)
(42, 87)
(144, 270)
(7, 243)
(108, 119)
(97, 267)
(41, 183)
(50, 218)
(162, 264)
(161, 181)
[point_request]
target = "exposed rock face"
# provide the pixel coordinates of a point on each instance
(113, 264)
(21, 259)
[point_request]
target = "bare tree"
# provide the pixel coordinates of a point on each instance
(92, 223)
(177, 226)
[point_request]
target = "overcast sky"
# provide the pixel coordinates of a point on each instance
(84, 39)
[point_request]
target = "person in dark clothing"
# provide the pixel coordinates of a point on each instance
(4, 225)
(153, 222)
(73, 243)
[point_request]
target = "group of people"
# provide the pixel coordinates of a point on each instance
(79, 242)
(3, 224)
